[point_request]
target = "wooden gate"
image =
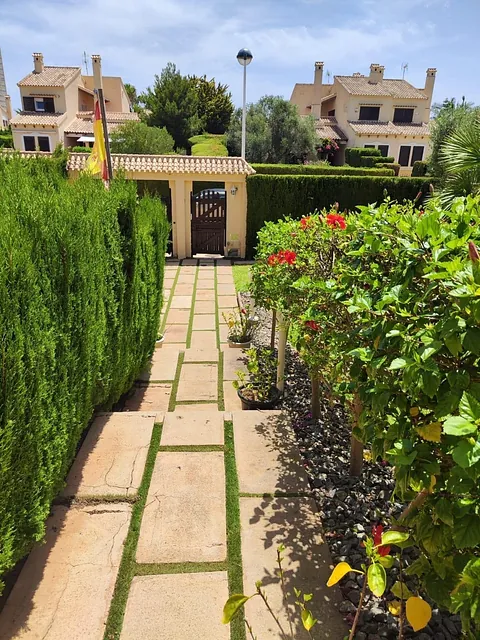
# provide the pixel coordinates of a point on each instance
(209, 217)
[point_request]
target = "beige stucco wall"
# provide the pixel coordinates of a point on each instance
(51, 132)
(394, 143)
(114, 92)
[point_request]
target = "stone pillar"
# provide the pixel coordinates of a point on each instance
(178, 219)
(188, 189)
(237, 212)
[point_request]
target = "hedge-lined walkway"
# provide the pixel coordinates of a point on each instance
(178, 501)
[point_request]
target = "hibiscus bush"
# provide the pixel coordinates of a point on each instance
(387, 309)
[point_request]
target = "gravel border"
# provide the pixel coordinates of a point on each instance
(348, 506)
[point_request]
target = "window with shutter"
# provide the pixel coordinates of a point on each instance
(404, 156)
(29, 143)
(369, 113)
(403, 115)
(28, 104)
(44, 143)
(383, 148)
(417, 154)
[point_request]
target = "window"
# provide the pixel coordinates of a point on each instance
(369, 113)
(417, 154)
(44, 143)
(383, 148)
(331, 112)
(42, 105)
(404, 156)
(29, 143)
(369, 146)
(403, 115)
(28, 104)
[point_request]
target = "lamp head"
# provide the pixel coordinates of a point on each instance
(244, 57)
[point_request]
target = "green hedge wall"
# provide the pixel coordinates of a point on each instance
(420, 168)
(354, 155)
(81, 274)
(318, 169)
(273, 197)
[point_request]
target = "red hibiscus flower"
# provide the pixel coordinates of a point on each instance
(306, 222)
(311, 324)
(282, 257)
(336, 220)
(377, 531)
(272, 260)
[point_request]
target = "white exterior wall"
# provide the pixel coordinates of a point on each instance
(50, 132)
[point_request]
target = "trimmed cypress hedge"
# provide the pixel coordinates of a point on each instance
(273, 197)
(81, 274)
(318, 169)
(354, 155)
(420, 168)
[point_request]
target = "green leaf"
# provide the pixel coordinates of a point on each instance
(307, 619)
(398, 363)
(394, 537)
(400, 590)
(430, 383)
(386, 561)
(233, 605)
(430, 350)
(377, 579)
(471, 342)
(466, 454)
(444, 511)
(466, 532)
(458, 426)
(469, 407)
(458, 380)
(453, 344)
(447, 403)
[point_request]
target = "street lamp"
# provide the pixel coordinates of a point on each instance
(244, 57)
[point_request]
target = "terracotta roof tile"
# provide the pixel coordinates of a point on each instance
(360, 86)
(112, 116)
(170, 164)
(83, 123)
(30, 118)
(50, 77)
(369, 127)
(327, 127)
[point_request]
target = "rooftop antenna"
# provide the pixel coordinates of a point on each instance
(85, 62)
(329, 75)
(404, 69)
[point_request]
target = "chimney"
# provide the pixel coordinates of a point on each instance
(38, 62)
(318, 79)
(428, 90)
(8, 105)
(376, 73)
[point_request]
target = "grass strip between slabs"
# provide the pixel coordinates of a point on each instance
(192, 310)
(217, 309)
(170, 297)
(173, 394)
(221, 396)
(189, 448)
(156, 569)
(234, 542)
(128, 565)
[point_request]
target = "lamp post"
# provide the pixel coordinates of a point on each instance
(244, 57)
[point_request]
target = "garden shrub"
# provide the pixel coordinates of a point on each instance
(420, 168)
(80, 149)
(369, 161)
(395, 324)
(81, 272)
(319, 169)
(395, 167)
(354, 155)
(270, 198)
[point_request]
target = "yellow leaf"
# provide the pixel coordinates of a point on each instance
(418, 613)
(394, 607)
(432, 432)
(367, 455)
(337, 574)
(414, 412)
(376, 342)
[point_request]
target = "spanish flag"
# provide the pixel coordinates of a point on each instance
(97, 162)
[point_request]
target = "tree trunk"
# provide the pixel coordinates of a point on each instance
(315, 396)
(282, 344)
(356, 447)
(274, 326)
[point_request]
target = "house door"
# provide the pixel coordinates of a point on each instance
(209, 221)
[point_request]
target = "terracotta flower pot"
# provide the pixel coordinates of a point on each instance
(238, 345)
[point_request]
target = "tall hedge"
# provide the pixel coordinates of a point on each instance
(273, 197)
(319, 169)
(81, 273)
(354, 155)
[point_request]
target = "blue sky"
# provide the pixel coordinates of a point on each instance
(136, 38)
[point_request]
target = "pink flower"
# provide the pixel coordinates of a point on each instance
(473, 252)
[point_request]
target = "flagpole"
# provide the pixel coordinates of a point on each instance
(98, 84)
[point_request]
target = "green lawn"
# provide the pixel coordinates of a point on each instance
(242, 277)
(209, 144)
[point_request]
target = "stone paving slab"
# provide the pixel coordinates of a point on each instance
(293, 522)
(201, 355)
(227, 301)
(181, 302)
(186, 279)
(168, 282)
(226, 289)
(198, 382)
(176, 333)
(223, 333)
(205, 306)
(205, 294)
(200, 406)
(182, 606)
(205, 284)
(204, 322)
(203, 340)
(163, 364)
(65, 588)
(178, 316)
(154, 397)
(233, 361)
(188, 428)
(267, 457)
(230, 397)
(184, 517)
(112, 458)
(183, 290)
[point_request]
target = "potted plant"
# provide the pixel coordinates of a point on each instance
(160, 340)
(256, 389)
(241, 327)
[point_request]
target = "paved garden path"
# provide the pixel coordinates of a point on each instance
(178, 501)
